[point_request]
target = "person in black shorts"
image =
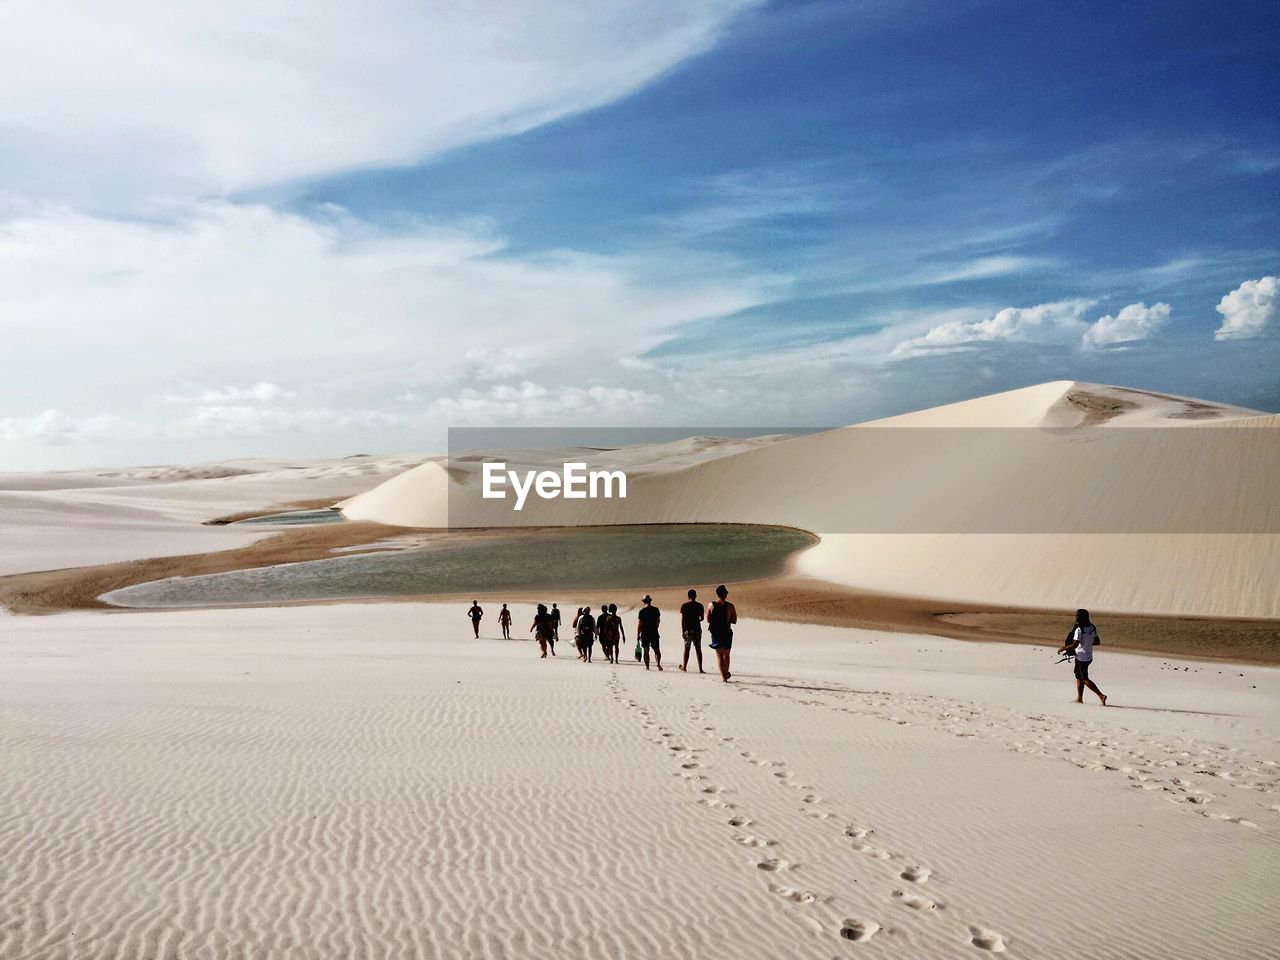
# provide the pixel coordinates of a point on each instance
(721, 616)
(691, 613)
(586, 634)
(504, 620)
(1081, 641)
(647, 631)
(542, 627)
(555, 623)
(475, 613)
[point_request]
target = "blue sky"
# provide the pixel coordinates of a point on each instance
(721, 212)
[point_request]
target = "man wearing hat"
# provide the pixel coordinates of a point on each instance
(647, 631)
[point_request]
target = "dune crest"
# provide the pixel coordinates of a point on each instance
(1072, 511)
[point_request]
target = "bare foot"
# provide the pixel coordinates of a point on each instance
(659, 666)
(1077, 701)
(1103, 698)
(682, 669)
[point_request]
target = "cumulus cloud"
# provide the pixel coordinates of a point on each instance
(138, 97)
(1059, 322)
(1135, 322)
(1248, 309)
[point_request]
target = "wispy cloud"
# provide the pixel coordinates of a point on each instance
(107, 100)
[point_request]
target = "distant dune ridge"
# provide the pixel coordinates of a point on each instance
(998, 517)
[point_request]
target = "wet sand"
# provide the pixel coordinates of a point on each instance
(788, 598)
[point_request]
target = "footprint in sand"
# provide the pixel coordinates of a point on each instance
(713, 789)
(691, 765)
(913, 901)
(858, 930)
(916, 874)
(869, 850)
(773, 865)
(749, 841)
(856, 832)
(783, 774)
(985, 939)
(792, 894)
(740, 821)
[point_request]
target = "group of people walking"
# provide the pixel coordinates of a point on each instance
(605, 627)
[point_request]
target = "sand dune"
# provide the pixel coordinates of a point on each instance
(1147, 520)
(368, 782)
(56, 520)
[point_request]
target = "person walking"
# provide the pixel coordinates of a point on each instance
(604, 634)
(475, 613)
(542, 628)
(647, 621)
(586, 634)
(504, 621)
(1082, 639)
(721, 616)
(691, 613)
(574, 627)
(617, 635)
(555, 623)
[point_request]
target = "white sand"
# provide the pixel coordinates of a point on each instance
(366, 781)
(53, 520)
(969, 500)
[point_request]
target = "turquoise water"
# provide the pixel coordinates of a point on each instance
(643, 557)
(294, 517)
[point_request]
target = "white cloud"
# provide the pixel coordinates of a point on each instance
(142, 97)
(1247, 309)
(1135, 322)
(530, 402)
(983, 268)
(243, 420)
(1059, 322)
(261, 392)
(55, 427)
(216, 307)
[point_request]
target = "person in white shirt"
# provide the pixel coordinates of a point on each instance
(1082, 641)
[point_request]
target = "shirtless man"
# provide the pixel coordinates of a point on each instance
(647, 630)
(475, 613)
(691, 613)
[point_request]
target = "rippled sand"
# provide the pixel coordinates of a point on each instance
(369, 782)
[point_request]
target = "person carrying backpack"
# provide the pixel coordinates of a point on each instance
(1081, 641)
(721, 616)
